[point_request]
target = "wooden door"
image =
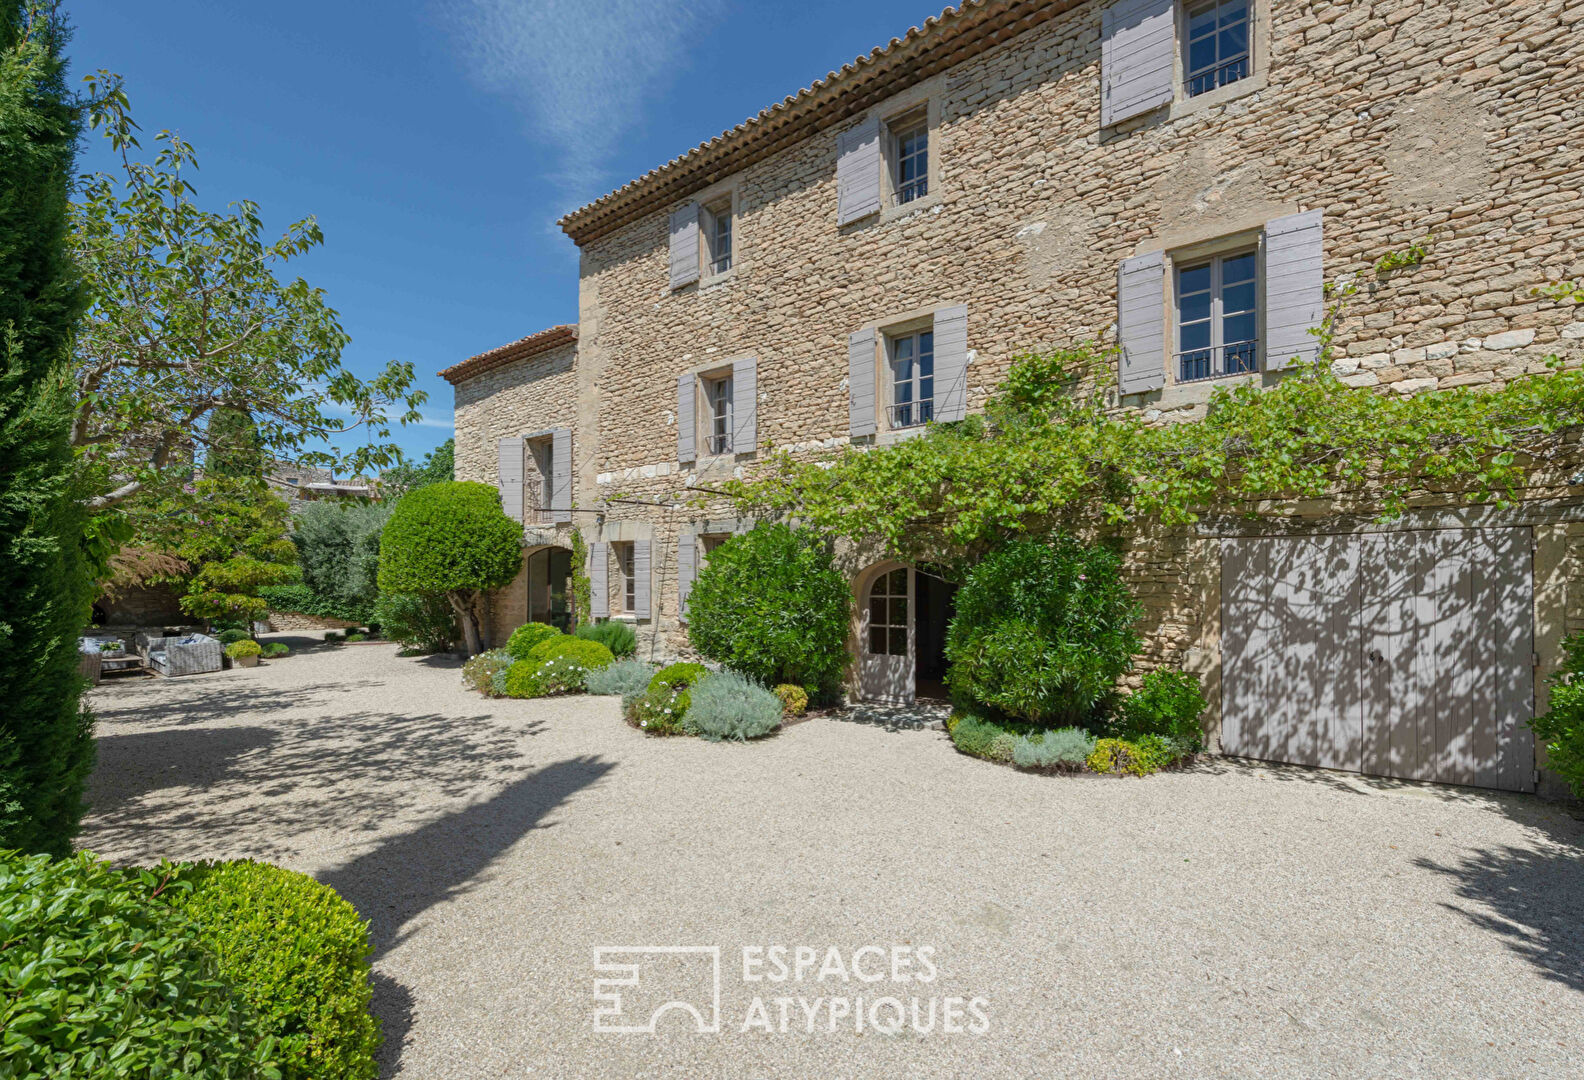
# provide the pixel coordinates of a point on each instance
(886, 639)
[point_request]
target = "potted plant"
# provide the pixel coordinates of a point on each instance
(244, 653)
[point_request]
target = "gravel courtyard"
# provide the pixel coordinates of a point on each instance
(1233, 920)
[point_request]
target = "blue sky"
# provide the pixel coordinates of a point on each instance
(437, 141)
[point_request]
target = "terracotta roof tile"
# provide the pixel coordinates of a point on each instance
(521, 349)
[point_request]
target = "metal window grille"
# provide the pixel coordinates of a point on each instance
(1217, 45)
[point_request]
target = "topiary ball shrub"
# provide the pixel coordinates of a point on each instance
(275, 650)
(559, 665)
(727, 705)
(771, 604)
(618, 637)
(1169, 703)
(245, 647)
(479, 672)
(525, 637)
(627, 679)
(298, 954)
(1042, 630)
(662, 706)
(426, 623)
(794, 699)
(356, 637)
(99, 978)
(231, 637)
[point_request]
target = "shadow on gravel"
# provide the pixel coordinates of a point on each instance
(919, 716)
(407, 875)
(1533, 900)
(134, 765)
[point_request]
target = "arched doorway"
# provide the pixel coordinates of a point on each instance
(903, 613)
(549, 574)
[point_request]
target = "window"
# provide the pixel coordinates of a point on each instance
(912, 379)
(718, 236)
(629, 576)
(718, 415)
(909, 157)
(888, 614)
(711, 541)
(538, 485)
(1217, 321)
(1216, 44)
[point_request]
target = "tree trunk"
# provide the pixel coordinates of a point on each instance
(467, 620)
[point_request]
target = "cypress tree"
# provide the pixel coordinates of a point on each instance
(46, 737)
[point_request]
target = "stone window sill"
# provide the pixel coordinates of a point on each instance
(908, 209)
(1221, 95)
(718, 279)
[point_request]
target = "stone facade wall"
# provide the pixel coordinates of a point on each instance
(1397, 118)
(296, 620)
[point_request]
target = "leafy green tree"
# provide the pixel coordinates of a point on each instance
(231, 533)
(189, 319)
(451, 539)
(437, 468)
(46, 738)
(232, 445)
(771, 605)
(338, 549)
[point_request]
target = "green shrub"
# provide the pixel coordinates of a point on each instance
(522, 680)
(451, 539)
(297, 954)
(416, 621)
(1136, 757)
(334, 635)
(98, 979)
(1170, 704)
(302, 600)
(1561, 728)
(727, 705)
(559, 665)
(231, 637)
(525, 637)
(794, 699)
(338, 550)
(618, 637)
(979, 737)
(659, 710)
(357, 636)
(246, 647)
(679, 676)
(1060, 748)
(480, 671)
(274, 650)
(1042, 630)
(771, 604)
(627, 678)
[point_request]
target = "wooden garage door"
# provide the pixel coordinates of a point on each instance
(1397, 654)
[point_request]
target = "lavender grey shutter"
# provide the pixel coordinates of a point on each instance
(511, 477)
(561, 474)
(1138, 51)
(1141, 323)
(599, 580)
(858, 172)
(745, 399)
(684, 245)
(861, 383)
(1294, 288)
(687, 426)
(687, 568)
(642, 569)
(951, 363)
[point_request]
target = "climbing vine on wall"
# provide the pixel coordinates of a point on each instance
(1051, 452)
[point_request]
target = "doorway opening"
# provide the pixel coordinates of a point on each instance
(550, 588)
(934, 603)
(902, 635)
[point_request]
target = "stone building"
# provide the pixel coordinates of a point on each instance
(1181, 178)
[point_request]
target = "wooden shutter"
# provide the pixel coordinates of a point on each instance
(511, 477)
(1141, 323)
(861, 383)
(642, 570)
(684, 245)
(599, 580)
(858, 172)
(745, 401)
(1138, 51)
(1294, 288)
(687, 568)
(687, 426)
(561, 474)
(951, 363)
